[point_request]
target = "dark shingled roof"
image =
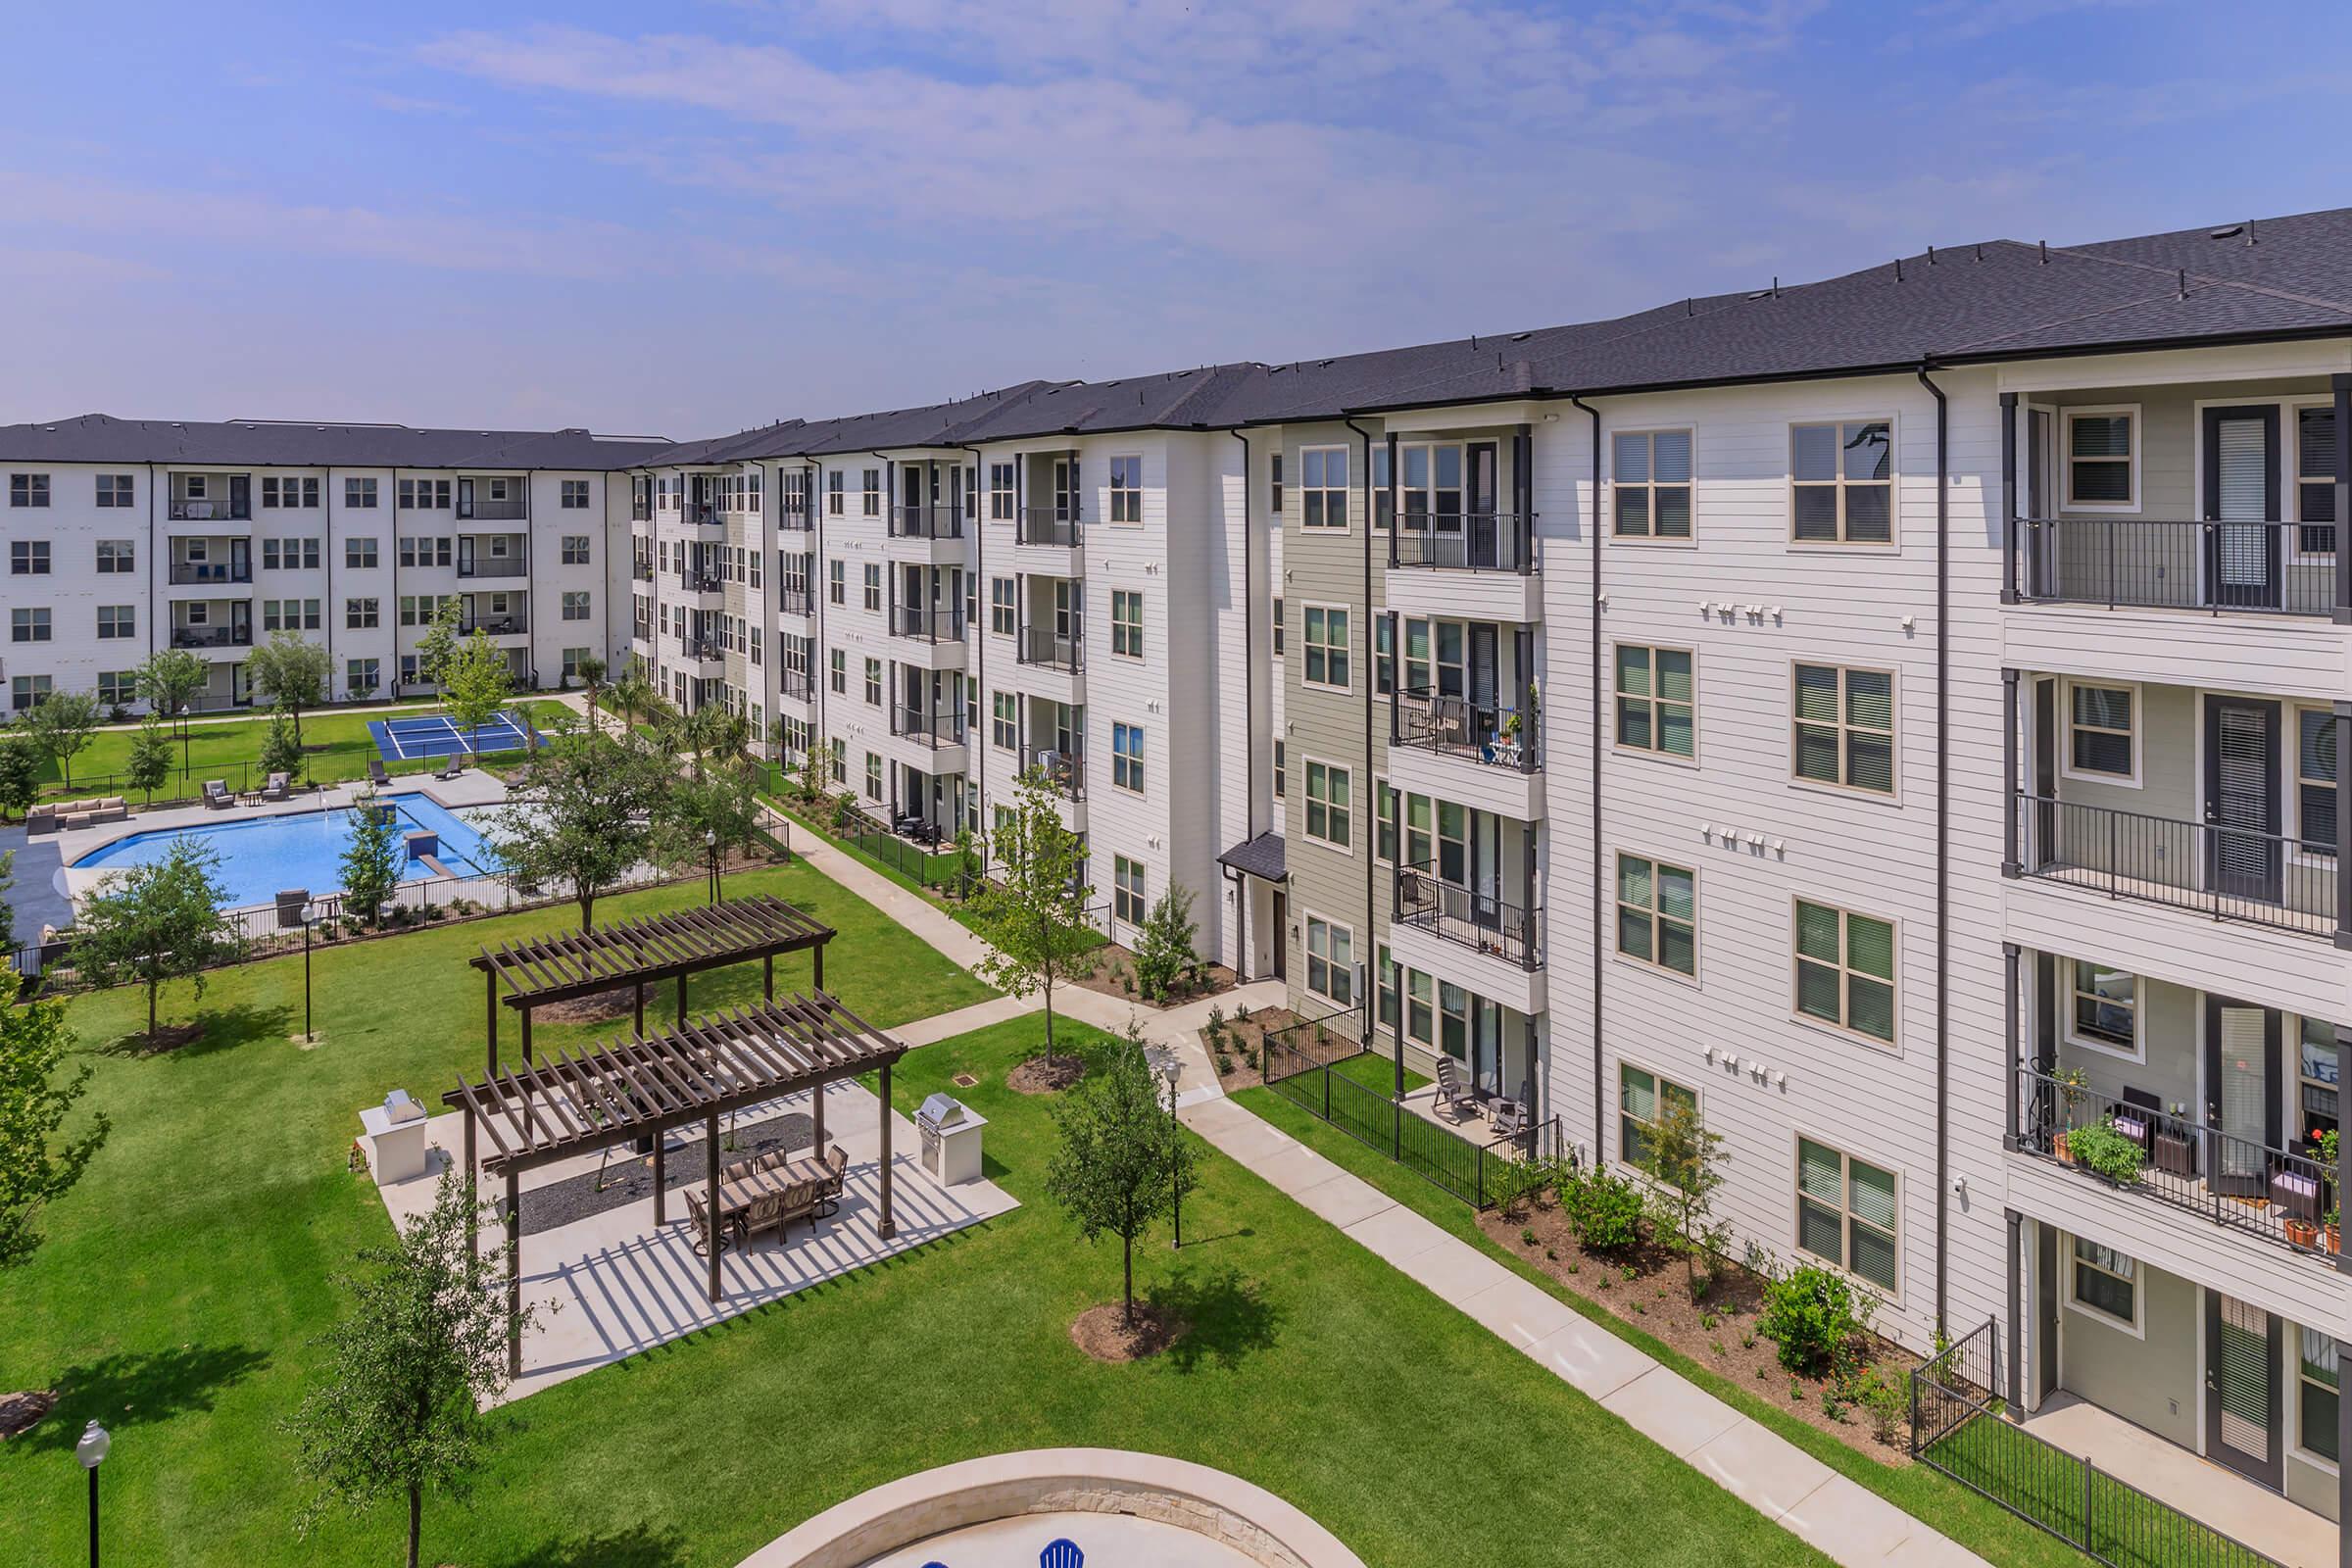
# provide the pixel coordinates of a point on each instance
(1261, 857)
(288, 444)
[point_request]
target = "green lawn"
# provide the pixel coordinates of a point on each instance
(1376, 1069)
(185, 1281)
(228, 749)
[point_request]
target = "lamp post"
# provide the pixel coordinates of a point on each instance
(91, 1451)
(711, 844)
(1171, 1068)
(309, 1036)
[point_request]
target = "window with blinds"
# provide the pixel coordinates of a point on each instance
(1844, 727)
(1845, 969)
(2318, 779)
(1651, 484)
(2317, 1389)
(1847, 1213)
(1657, 913)
(1657, 701)
(1638, 1094)
(1842, 489)
(2101, 458)
(2107, 1282)
(2099, 739)
(2315, 480)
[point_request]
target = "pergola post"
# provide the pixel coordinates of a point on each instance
(660, 1182)
(681, 1001)
(641, 1010)
(526, 1034)
(710, 1213)
(888, 1227)
(767, 977)
(513, 1273)
(490, 980)
(817, 954)
(473, 1206)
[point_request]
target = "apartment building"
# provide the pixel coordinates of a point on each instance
(1900, 714)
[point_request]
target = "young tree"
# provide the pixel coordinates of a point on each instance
(420, 1347)
(591, 671)
(62, 725)
(1034, 919)
(38, 1163)
(1684, 1159)
(1164, 947)
(20, 774)
(282, 746)
(437, 644)
(1122, 1159)
(168, 684)
(293, 673)
(150, 762)
(371, 865)
(147, 924)
(582, 814)
(8, 917)
(812, 772)
(632, 694)
(720, 810)
(476, 685)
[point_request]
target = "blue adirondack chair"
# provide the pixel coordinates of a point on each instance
(1063, 1553)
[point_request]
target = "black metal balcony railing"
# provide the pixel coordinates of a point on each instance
(1490, 733)
(1043, 645)
(701, 513)
(1480, 922)
(504, 625)
(186, 573)
(927, 625)
(1476, 541)
(2228, 873)
(495, 566)
(1051, 525)
(796, 518)
(926, 522)
(799, 683)
(642, 572)
(943, 727)
(2276, 569)
(492, 511)
(2282, 1195)
(211, 636)
(185, 510)
(699, 582)
(1064, 771)
(795, 602)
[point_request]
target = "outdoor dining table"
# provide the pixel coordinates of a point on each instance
(735, 1197)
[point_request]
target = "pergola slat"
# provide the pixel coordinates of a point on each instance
(647, 949)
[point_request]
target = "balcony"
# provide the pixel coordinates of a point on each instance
(1478, 541)
(702, 650)
(2252, 569)
(791, 601)
(2218, 871)
(508, 510)
(186, 510)
(937, 729)
(1050, 528)
(799, 683)
(495, 566)
(926, 522)
(796, 518)
(642, 572)
(195, 574)
(1044, 646)
(700, 513)
(1477, 921)
(507, 624)
(701, 582)
(1063, 774)
(211, 636)
(927, 625)
(1490, 734)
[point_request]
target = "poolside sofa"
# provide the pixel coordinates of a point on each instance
(59, 816)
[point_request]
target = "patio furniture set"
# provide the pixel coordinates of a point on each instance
(769, 1192)
(59, 816)
(218, 797)
(1508, 1116)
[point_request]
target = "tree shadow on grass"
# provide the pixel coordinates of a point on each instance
(209, 1030)
(138, 1387)
(631, 1547)
(1230, 1318)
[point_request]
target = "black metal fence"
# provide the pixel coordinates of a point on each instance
(1480, 922)
(1475, 541)
(1958, 1428)
(2231, 874)
(2272, 568)
(1488, 732)
(185, 786)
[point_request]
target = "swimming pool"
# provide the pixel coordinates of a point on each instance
(262, 855)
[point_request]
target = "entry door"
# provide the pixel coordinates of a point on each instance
(2243, 856)
(2243, 1429)
(1282, 935)
(2041, 560)
(464, 498)
(2243, 1067)
(2241, 496)
(2042, 819)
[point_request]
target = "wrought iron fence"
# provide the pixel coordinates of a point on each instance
(1467, 918)
(1475, 541)
(1958, 1428)
(2231, 874)
(2262, 568)
(1043, 645)
(1052, 526)
(184, 786)
(926, 522)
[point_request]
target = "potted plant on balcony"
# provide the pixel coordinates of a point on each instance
(2074, 1087)
(2107, 1154)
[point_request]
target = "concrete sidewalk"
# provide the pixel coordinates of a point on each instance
(1834, 1516)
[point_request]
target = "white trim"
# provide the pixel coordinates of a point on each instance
(1894, 542)
(1327, 605)
(2071, 1265)
(1294, 488)
(1698, 1100)
(2293, 1414)
(1306, 762)
(1307, 919)
(1697, 742)
(1796, 780)
(2139, 1054)
(2067, 412)
(1797, 1138)
(1609, 938)
(2065, 720)
(1840, 1029)
(1652, 540)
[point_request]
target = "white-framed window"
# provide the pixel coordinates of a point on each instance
(837, 581)
(1324, 643)
(1127, 756)
(1004, 720)
(1331, 960)
(115, 490)
(873, 586)
(2102, 737)
(1000, 492)
(1843, 727)
(117, 621)
(360, 613)
(2318, 1386)
(1841, 482)
(1657, 701)
(1127, 622)
(361, 677)
(1003, 606)
(841, 761)
(1651, 484)
(2102, 459)
(33, 490)
(2103, 1008)
(1127, 902)
(115, 556)
(28, 558)
(1281, 773)
(359, 494)
(2106, 1282)
(870, 495)
(1848, 1213)
(288, 491)
(574, 658)
(27, 691)
(834, 482)
(418, 495)
(2319, 774)
(575, 605)
(874, 682)
(118, 688)
(575, 550)
(575, 495)
(29, 625)
(1323, 488)
(2315, 480)
(1384, 821)
(1845, 969)
(837, 670)
(1657, 913)
(1127, 490)
(1274, 485)
(874, 776)
(1329, 804)
(358, 555)
(1640, 1094)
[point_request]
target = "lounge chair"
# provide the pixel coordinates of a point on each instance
(375, 771)
(280, 787)
(1510, 1120)
(1452, 1094)
(457, 766)
(216, 795)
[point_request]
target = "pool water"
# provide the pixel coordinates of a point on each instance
(263, 855)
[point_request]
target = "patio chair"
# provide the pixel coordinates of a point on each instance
(697, 1212)
(457, 766)
(216, 795)
(377, 773)
(280, 787)
(766, 1211)
(1510, 1120)
(1452, 1094)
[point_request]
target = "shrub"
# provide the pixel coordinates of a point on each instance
(1604, 1209)
(2104, 1152)
(1242, 1012)
(1814, 1317)
(1883, 1401)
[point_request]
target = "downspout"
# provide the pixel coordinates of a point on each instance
(1249, 673)
(152, 562)
(1599, 886)
(1365, 976)
(979, 632)
(328, 622)
(1943, 845)
(821, 593)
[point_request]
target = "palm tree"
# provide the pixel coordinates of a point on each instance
(591, 671)
(632, 694)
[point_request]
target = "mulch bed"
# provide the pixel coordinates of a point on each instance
(166, 1038)
(21, 1412)
(1656, 1300)
(602, 1007)
(1245, 1046)
(1037, 1076)
(1111, 960)
(1103, 1332)
(629, 1176)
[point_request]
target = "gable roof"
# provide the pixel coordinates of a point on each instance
(293, 444)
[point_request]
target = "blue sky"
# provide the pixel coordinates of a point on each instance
(690, 219)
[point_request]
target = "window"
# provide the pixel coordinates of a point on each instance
(27, 489)
(358, 553)
(1127, 756)
(360, 677)
(1845, 727)
(1640, 1094)
(833, 498)
(1331, 961)
(1655, 703)
(870, 496)
(1323, 487)
(1127, 623)
(2317, 777)
(1384, 654)
(1277, 628)
(1325, 634)
(1845, 1212)
(1384, 820)
(117, 621)
(1845, 969)
(575, 495)
(1327, 803)
(1127, 490)
(2317, 1390)
(838, 671)
(572, 659)
(359, 494)
(1652, 484)
(874, 586)
(2099, 739)
(1386, 988)
(28, 558)
(1382, 502)
(874, 776)
(575, 605)
(2315, 479)
(1657, 913)
(835, 579)
(358, 613)
(2102, 461)
(290, 554)
(575, 550)
(1004, 720)
(2105, 1014)
(116, 555)
(114, 490)
(29, 625)
(2107, 1282)
(1000, 491)
(874, 682)
(291, 614)
(29, 690)
(1127, 890)
(289, 491)
(118, 687)
(1841, 479)
(1001, 613)
(425, 552)
(1276, 478)
(2318, 1069)
(424, 495)
(841, 765)
(1279, 777)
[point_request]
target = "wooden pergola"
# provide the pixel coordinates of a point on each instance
(644, 952)
(642, 1088)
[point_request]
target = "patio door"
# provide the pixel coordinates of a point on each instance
(1282, 935)
(2041, 822)
(464, 498)
(1485, 544)
(1065, 489)
(2243, 1067)
(2241, 496)
(2041, 558)
(2243, 854)
(2243, 1429)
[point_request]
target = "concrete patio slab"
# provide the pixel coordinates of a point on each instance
(1677, 1415)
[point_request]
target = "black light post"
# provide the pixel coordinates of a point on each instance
(309, 1036)
(92, 1451)
(711, 844)
(1171, 1067)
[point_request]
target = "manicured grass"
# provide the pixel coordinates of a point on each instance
(186, 1279)
(1971, 1520)
(229, 747)
(1376, 1069)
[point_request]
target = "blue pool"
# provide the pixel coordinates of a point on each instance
(261, 857)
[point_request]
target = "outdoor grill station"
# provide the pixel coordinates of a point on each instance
(950, 1131)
